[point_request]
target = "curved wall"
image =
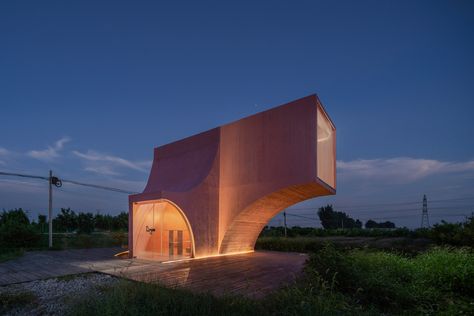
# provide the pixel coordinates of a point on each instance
(231, 180)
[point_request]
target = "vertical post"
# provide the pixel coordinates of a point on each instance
(284, 217)
(50, 210)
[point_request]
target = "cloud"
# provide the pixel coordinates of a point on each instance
(3, 153)
(106, 164)
(51, 152)
(104, 170)
(400, 169)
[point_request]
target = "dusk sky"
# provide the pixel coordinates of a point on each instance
(89, 88)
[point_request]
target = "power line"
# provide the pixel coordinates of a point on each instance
(96, 186)
(457, 207)
(53, 180)
(99, 187)
(22, 175)
(385, 204)
(305, 217)
(412, 215)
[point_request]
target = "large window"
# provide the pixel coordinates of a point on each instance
(326, 153)
(160, 232)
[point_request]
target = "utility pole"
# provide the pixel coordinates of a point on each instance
(425, 221)
(58, 183)
(50, 209)
(284, 217)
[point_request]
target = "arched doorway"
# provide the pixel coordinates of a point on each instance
(161, 231)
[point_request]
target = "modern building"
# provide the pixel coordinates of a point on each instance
(214, 192)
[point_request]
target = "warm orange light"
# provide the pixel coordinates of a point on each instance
(210, 256)
(326, 149)
(160, 231)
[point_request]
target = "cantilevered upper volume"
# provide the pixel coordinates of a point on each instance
(213, 193)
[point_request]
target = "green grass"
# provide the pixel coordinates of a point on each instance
(131, 298)
(335, 282)
(314, 244)
(9, 301)
(437, 281)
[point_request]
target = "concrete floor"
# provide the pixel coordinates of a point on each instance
(252, 274)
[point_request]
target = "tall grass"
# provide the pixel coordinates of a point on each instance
(335, 282)
(438, 280)
(310, 297)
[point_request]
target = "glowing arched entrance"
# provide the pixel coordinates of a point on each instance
(161, 231)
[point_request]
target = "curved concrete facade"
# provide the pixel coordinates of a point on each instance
(231, 180)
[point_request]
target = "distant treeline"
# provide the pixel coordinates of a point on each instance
(17, 231)
(331, 219)
(69, 221)
(456, 234)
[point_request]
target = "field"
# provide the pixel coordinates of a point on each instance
(342, 282)
(363, 272)
(337, 281)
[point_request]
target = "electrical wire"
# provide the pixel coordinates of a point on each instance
(23, 175)
(96, 186)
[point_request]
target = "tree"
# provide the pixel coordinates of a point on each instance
(17, 216)
(328, 217)
(387, 224)
(103, 222)
(120, 222)
(42, 222)
(85, 223)
(66, 220)
(373, 224)
(331, 219)
(16, 230)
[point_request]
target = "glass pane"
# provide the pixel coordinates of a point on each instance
(160, 232)
(326, 149)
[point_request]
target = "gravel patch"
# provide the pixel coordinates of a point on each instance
(53, 296)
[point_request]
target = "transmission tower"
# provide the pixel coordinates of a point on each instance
(425, 221)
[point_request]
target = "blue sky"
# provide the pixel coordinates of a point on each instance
(88, 88)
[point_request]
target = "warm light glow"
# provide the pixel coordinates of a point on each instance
(160, 231)
(326, 149)
(120, 254)
(211, 256)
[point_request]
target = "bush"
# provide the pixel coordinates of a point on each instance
(335, 282)
(297, 231)
(447, 270)
(438, 280)
(457, 234)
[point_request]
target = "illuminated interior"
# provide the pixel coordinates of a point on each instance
(161, 231)
(326, 150)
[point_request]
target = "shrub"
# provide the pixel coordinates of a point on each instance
(457, 234)
(428, 283)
